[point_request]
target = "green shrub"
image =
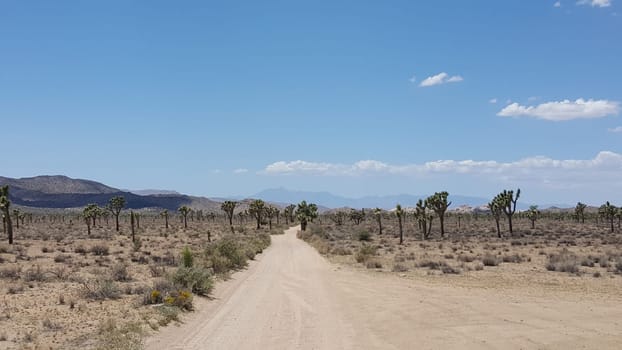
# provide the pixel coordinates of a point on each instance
(187, 258)
(128, 336)
(364, 253)
(364, 236)
(101, 289)
(195, 279)
(120, 273)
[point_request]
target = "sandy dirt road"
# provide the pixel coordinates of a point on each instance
(292, 298)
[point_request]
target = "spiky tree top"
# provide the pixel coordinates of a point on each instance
(306, 212)
(184, 210)
(90, 211)
(608, 210)
(5, 203)
(116, 204)
(533, 212)
(508, 201)
(438, 202)
(257, 208)
(399, 211)
(496, 208)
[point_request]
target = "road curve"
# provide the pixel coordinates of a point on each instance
(292, 298)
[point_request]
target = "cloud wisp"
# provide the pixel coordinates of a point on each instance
(439, 79)
(563, 110)
(561, 173)
(595, 3)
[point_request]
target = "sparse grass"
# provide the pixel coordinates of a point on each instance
(365, 253)
(564, 261)
(128, 336)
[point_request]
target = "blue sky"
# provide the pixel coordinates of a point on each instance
(352, 97)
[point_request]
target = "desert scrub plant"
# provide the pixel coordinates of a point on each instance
(128, 336)
(490, 260)
(195, 279)
(100, 289)
(365, 253)
(99, 250)
(564, 261)
(181, 299)
(364, 236)
(35, 274)
(120, 273)
(187, 259)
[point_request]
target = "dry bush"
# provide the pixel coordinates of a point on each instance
(564, 261)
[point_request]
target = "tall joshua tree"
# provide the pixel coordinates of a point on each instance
(5, 205)
(228, 207)
(399, 212)
(306, 213)
(288, 212)
(165, 215)
(16, 213)
(438, 203)
(532, 214)
(257, 209)
(496, 210)
(89, 213)
(115, 205)
(184, 211)
(422, 217)
(508, 202)
(378, 216)
(271, 212)
(579, 212)
(608, 211)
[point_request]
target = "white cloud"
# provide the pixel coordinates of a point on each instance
(558, 4)
(595, 3)
(563, 110)
(439, 79)
(240, 171)
(537, 167)
(492, 101)
(616, 129)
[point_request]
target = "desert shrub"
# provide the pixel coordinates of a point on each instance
(187, 259)
(618, 267)
(157, 271)
(120, 273)
(17, 288)
(450, 270)
(564, 261)
(35, 274)
(61, 258)
(466, 258)
(373, 264)
(364, 236)
(432, 265)
(479, 267)
(5, 249)
(79, 249)
(490, 260)
(101, 289)
(128, 336)
(399, 268)
(181, 299)
(195, 279)
(11, 272)
(340, 251)
(364, 253)
(99, 250)
(168, 313)
(137, 244)
(47, 250)
(230, 249)
(448, 256)
(512, 258)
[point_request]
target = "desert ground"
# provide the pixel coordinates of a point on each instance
(333, 286)
(293, 298)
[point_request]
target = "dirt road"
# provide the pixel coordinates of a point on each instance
(292, 298)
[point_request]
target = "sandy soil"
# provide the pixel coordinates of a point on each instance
(292, 298)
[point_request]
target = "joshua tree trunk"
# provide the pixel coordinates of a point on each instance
(442, 219)
(116, 220)
(399, 220)
(88, 226)
(510, 225)
(498, 228)
(9, 226)
(303, 225)
(132, 222)
(379, 225)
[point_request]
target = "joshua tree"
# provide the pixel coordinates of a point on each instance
(288, 212)
(133, 220)
(305, 213)
(608, 212)
(357, 216)
(378, 215)
(339, 217)
(496, 210)
(5, 205)
(16, 214)
(89, 212)
(115, 205)
(270, 213)
(400, 213)
(508, 202)
(228, 207)
(438, 203)
(579, 212)
(257, 209)
(184, 211)
(532, 214)
(165, 215)
(422, 217)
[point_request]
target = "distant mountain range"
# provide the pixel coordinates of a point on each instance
(62, 192)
